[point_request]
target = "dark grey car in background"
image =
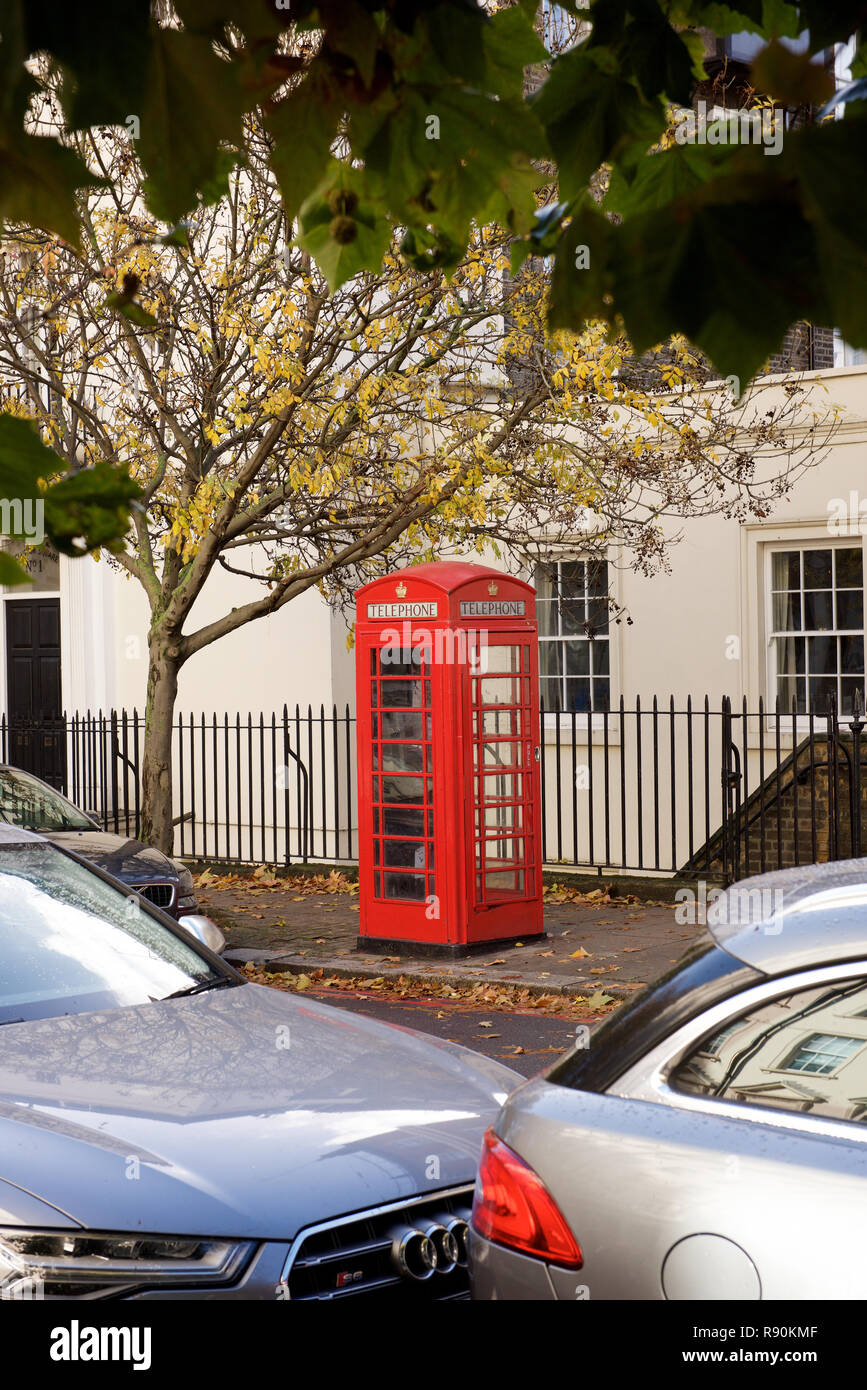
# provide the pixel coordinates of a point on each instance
(31, 804)
(711, 1141)
(171, 1130)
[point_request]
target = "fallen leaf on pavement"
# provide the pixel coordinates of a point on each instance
(475, 995)
(580, 954)
(596, 897)
(265, 879)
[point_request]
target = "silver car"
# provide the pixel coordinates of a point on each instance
(170, 1130)
(711, 1140)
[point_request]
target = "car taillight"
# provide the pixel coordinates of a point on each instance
(512, 1207)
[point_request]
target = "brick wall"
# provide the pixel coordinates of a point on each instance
(790, 820)
(805, 348)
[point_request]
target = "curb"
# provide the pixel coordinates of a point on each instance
(296, 965)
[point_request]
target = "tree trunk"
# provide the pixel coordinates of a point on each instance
(156, 819)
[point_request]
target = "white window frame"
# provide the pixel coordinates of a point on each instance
(596, 716)
(846, 356)
(800, 542)
(839, 1062)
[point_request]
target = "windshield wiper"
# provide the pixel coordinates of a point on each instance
(216, 983)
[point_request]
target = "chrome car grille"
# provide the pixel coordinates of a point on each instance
(160, 894)
(365, 1254)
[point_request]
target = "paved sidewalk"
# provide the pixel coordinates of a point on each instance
(612, 947)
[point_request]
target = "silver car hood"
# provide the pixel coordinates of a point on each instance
(243, 1111)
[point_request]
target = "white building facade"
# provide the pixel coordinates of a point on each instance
(752, 611)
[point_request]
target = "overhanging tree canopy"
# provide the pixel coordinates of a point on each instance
(440, 131)
(301, 438)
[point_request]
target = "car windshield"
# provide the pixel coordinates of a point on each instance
(72, 943)
(32, 805)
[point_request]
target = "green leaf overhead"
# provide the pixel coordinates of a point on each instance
(194, 103)
(342, 229)
(24, 459)
(89, 509)
(592, 116)
(663, 178)
(304, 126)
(647, 49)
(792, 78)
(38, 181)
(685, 272)
(11, 572)
(835, 207)
(82, 510)
(452, 112)
(511, 45)
(104, 56)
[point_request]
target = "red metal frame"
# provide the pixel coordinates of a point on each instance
(433, 727)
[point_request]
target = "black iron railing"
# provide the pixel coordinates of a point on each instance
(248, 788)
(719, 791)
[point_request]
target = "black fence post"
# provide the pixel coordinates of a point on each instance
(833, 781)
(856, 726)
(286, 812)
(725, 763)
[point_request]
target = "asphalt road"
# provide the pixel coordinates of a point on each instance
(527, 1041)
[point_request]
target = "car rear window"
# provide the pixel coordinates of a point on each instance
(704, 975)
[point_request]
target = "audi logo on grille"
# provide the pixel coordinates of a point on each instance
(435, 1246)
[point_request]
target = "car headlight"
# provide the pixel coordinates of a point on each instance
(187, 901)
(68, 1265)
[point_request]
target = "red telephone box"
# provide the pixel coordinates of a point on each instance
(448, 760)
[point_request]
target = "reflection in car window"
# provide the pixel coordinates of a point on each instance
(822, 1054)
(70, 942)
(804, 1051)
(32, 805)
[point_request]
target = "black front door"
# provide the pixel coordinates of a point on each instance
(36, 737)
